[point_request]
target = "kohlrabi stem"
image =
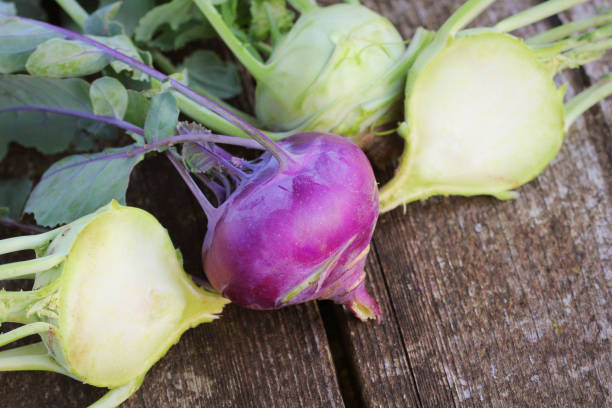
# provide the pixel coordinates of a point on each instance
(23, 331)
(208, 208)
(461, 18)
(566, 30)
(31, 357)
(17, 270)
(255, 67)
(586, 99)
(116, 396)
(304, 6)
(576, 41)
(74, 10)
(27, 242)
(167, 67)
(106, 119)
(14, 305)
(283, 157)
(161, 143)
(28, 229)
(535, 13)
(422, 37)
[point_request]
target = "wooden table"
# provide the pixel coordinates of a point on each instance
(484, 302)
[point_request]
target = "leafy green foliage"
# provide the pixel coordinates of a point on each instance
(47, 132)
(268, 16)
(108, 97)
(80, 184)
(17, 41)
(162, 117)
(13, 195)
(59, 58)
(175, 13)
(102, 22)
(137, 108)
(206, 70)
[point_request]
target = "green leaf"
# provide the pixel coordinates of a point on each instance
(59, 58)
(47, 132)
(13, 195)
(108, 97)
(8, 8)
(162, 117)
(173, 13)
(267, 14)
(170, 40)
(206, 70)
(131, 12)
(18, 40)
(138, 106)
(66, 193)
(101, 21)
(124, 45)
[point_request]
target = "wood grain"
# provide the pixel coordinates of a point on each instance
(485, 303)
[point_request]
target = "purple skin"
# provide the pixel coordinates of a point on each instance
(298, 234)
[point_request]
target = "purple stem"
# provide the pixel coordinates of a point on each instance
(283, 157)
(149, 147)
(208, 208)
(106, 119)
(30, 229)
(219, 192)
(228, 165)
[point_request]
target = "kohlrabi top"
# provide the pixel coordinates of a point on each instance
(109, 299)
(340, 69)
(482, 112)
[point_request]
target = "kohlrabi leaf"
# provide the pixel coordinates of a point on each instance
(137, 108)
(108, 97)
(78, 185)
(162, 117)
(101, 22)
(59, 58)
(13, 195)
(18, 39)
(8, 8)
(47, 132)
(131, 12)
(169, 39)
(31, 9)
(124, 45)
(174, 13)
(268, 16)
(206, 70)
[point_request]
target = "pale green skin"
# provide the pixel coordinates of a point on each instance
(331, 73)
(483, 117)
(116, 303)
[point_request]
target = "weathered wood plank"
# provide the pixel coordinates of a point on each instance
(497, 303)
(247, 358)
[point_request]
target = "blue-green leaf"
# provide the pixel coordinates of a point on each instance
(18, 39)
(101, 22)
(108, 97)
(47, 132)
(138, 106)
(205, 70)
(162, 117)
(78, 185)
(173, 13)
(13, 195)
(59, 58)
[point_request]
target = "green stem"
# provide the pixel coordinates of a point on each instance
(27, 242)
(462, 17)
(74, 10)
(579, 40)
(168, 68)
(422, 37)
(303, 6)
(256, 68)
(566, 30)
(586, 99)
(32, 357)
(116, 396)
(17, 270)
(15, 305)
(24, 331)
(535, 13)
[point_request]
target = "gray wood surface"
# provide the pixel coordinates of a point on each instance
(485, 303)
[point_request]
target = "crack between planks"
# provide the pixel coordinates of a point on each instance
(344, 367)
(399, 328)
